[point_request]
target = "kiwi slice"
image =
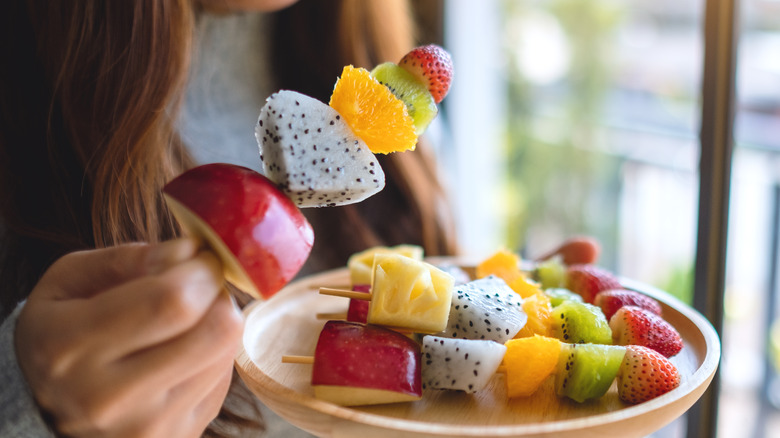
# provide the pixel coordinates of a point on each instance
(419, 101)
(580, 323)
(559, 295)
(586, 371)
(551, 273)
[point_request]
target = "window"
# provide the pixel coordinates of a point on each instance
(572, 117)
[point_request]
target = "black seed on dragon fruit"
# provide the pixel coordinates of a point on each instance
(485, 309)
(459, 364)
(312, 155)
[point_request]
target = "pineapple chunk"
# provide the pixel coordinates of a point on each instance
(408, 293)
(360, 264)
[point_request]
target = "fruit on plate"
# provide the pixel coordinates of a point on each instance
(550, 273)
(575, 250)
(459, 364)
(361, 264)
(506, 265)
(373, 112)
(645, 374)
(409, 294)
(538, 308)
(419, 101)
(611, 300)
(358, 309)
(503, 264)
(586, 371)
(557, 335)
(632, 325)
(259, 235)
(588, 280)
(432, 66)
(528, 363)
(312, 155)
(357, 364)
(323, 155)
(485, 309)
(559, 295)
(578, 323)
(525, 286)
(460, 274)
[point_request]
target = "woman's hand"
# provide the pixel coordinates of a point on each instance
(134, 340)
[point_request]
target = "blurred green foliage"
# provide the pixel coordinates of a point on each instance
(557, 179)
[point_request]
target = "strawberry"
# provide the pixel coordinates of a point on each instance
(588, 280)
(612, 300)
(632, 325)
(576, 250)
(432, 66)
(645, 374)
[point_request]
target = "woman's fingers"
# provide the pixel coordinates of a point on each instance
(125, 409)
(181, 378)
(154, 309)
(104, 268)
(198, 400)
(170, 363)
(184, 378)
(193, 404)
(134, 336)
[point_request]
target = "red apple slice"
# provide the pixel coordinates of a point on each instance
(358, 309)
(357, 364)
(259, 235)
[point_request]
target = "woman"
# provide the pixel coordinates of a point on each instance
(138, 338)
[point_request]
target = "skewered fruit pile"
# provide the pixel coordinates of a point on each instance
(323, 155)
(505, 325)
(313, 155)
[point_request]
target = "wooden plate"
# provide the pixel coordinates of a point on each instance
(287, 324)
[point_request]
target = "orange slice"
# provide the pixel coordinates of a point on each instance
(372, 111)
(529, 362)
(539, 311)
(524, 286)
(503, 264)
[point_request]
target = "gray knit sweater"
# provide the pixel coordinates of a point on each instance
(20, 416)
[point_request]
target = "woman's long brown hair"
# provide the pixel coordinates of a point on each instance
(88, 109)
(87, 132)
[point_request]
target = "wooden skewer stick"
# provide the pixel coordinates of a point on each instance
(345, 293)
(306, 360)
(333, 315)
(334, 286)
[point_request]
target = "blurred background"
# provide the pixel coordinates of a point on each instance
(582, 117)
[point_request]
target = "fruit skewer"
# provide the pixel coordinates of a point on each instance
(322, 155)
(581, 372)
(389, 370)
(455, 364)
(405, 293)
(251, 221)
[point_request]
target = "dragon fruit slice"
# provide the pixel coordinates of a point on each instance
(485, 309)
(312, 155)
(459, 364)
